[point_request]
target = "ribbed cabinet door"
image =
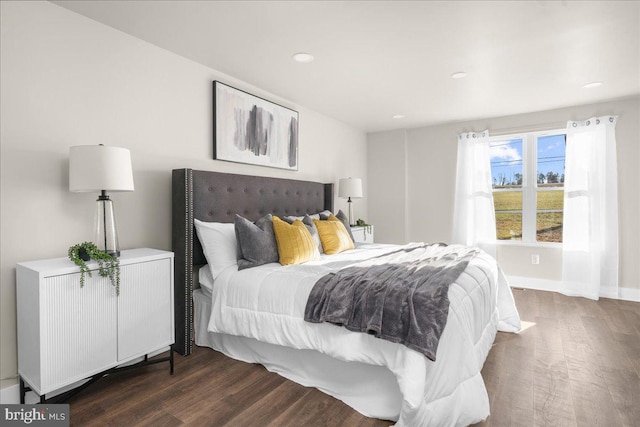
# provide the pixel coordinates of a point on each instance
(78, 329)
(144, 308)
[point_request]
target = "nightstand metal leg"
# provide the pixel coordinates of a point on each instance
(23, 391)
(24, 388)
(171, 360)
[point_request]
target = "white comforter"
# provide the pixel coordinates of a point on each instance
(267, 303)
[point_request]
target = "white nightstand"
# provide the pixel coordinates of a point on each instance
(362, 234)
(67, 333)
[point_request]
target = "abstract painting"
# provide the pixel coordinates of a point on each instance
(249, 129)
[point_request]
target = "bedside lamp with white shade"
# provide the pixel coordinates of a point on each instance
(101, 168)
(349, 188)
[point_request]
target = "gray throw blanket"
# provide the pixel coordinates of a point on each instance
(400, 297)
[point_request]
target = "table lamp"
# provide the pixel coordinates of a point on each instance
(101, 168)
(350, 188)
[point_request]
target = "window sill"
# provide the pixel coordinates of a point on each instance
(520, 243)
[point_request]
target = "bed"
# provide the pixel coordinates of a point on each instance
(257, 315)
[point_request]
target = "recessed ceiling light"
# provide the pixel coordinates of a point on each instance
(302, 57)
(459, 75)
(398, 116)
(592, 85)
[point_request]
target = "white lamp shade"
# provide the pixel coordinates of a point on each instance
(350, 187)
(98, 167)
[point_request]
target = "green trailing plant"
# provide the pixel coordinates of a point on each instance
(362, 223)
(108, 265)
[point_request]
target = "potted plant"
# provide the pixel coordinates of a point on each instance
(362, 223)
(108, 265)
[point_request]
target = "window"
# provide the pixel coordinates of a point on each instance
(528, 186)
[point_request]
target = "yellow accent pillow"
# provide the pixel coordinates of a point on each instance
(333, 235)
(295, 244)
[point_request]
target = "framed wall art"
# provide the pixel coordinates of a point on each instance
(252, 130)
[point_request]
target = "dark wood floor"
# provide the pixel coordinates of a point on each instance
(577, 363)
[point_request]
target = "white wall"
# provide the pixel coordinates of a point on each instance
(429, 155)
(387, 204)
(67, 80)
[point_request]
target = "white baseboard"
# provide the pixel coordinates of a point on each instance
(629, 294)
(533, 283)
(11, 395)
(626, 294)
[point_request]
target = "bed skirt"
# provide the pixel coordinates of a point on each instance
(371, 390)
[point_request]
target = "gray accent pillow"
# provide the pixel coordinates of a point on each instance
(256, 242)
(324, 215)
(342, 217)
(307, 220)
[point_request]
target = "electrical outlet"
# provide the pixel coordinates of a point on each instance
(535, 259)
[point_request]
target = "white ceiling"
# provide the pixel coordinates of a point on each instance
(380, 58)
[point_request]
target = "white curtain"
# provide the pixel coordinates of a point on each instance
(474, 221)
(590, 230)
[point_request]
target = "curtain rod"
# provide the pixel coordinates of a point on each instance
(538, 128)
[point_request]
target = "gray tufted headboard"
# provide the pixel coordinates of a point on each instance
(217, 197)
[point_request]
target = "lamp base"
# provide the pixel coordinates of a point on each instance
(106, 236)
(350, 212)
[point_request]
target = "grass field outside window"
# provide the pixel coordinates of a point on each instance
(508, 206)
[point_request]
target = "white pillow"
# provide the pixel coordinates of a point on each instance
(205, 278)
(218, 243)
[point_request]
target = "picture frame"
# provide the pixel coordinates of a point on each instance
(252, 130)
